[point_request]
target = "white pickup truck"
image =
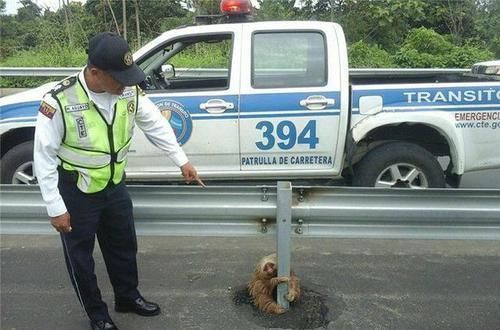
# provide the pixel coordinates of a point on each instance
(281, 104)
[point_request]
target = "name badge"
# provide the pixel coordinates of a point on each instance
(76, 107)
(127, 94)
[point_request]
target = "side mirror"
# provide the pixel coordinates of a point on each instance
(167, 71)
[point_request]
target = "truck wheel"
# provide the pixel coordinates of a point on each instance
(399, 165)
(17, 165)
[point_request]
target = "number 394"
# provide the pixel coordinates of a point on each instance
(286, 135)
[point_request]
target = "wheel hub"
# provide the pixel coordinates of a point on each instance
(24, 174)
(402, 175)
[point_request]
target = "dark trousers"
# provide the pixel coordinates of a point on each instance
(107, 214)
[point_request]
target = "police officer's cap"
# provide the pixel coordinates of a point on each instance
(110, 52)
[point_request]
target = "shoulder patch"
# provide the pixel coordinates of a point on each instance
(62, 85)
(47, 110)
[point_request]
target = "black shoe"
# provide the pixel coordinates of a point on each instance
(138, 306)
(103, 325)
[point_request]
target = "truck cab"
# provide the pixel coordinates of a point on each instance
(275, 109)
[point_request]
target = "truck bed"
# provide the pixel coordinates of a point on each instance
(412, 76)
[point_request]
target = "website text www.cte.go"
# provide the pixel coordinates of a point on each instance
(484, 119)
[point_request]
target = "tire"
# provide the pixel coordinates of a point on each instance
(399, 165)
(17, 165)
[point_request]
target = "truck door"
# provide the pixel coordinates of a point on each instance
(290, 100)
(190, 79)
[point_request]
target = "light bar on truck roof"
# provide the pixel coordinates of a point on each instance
(235, 7)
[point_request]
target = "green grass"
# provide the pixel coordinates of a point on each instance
(62, 57)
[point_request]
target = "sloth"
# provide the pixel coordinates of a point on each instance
(262, 286)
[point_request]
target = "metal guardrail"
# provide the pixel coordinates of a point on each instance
(64, 72)
(283, 241)
(315, 212)
(37, 72)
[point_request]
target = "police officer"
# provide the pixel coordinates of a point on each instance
(83, 132)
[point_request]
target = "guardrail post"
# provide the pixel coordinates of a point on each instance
(284, 224)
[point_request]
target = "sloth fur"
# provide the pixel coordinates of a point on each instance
(262, 286)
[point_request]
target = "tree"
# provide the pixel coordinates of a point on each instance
(456, 18)
(137, 23)
(363, 55)
(29, 14)
(158, 14)
(383, 22)
(203, 7)
(425, 48)
(276, 10)
(67, 20)
(488, 24)
(29, 11)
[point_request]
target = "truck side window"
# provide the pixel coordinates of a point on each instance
(192, 63)
(285, 59)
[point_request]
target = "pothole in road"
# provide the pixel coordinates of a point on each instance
(313, 310)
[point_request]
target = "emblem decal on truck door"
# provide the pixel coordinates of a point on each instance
(179, 119)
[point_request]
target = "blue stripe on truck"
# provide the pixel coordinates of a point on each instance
(17, 110)
(431, 96)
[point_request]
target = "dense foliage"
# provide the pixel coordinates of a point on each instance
(380, 33)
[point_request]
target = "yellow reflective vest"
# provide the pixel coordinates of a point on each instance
(96, 150)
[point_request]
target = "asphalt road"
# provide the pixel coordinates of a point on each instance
(199, 283)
